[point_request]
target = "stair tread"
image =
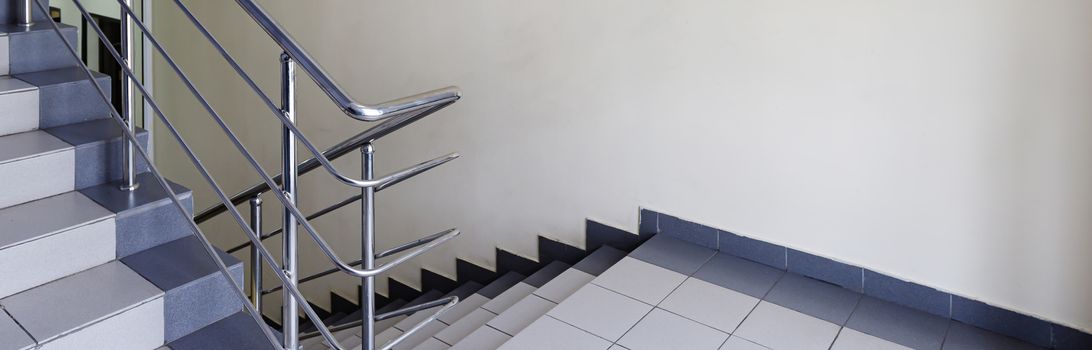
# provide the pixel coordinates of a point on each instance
(177, 262)
(29, 144)
(89, 132)
(14, 29)
(238, 331)
(69, 303)
(108, 196)
(32, 220)
(58, 76)
(10, 85)
(14, 337)
(600, 260)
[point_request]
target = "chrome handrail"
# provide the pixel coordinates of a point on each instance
(334, 152)
(293, 210)
(130, 136)
(286, 194)
(327, 84)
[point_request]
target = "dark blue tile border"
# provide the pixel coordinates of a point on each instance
(688, 231)
(907, 294)
(871, 283)
(1066, 338)
(1010, 323)
(753, 249)
(826, 270)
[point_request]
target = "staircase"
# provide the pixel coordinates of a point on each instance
(83, 264)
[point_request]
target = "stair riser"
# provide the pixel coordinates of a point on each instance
(20, 112)
(72, 102)
(25, 180)
(200, 303)
(100, 163)
(39, 50)
(139, 328)
(143, 229)
(43, 260)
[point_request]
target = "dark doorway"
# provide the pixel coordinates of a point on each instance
(106, 64)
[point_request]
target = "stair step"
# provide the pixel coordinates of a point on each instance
(53, 237)
(107, 306)
(37, 47)
(14, 337)
(196, 294)
(34, 165)
(7, 13)
(98, 150)
(238, 331)
(473, 319)
(20, 101)
(146, 217)
(66, 97)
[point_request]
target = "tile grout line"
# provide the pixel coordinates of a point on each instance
(656, 306)
(581, 329)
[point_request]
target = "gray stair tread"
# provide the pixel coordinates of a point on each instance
(89, 132)
(54, 308)
(40, 218)
(482, 338)
(29, 144)
(13, 29)
(464, 326)
(600, 260)
(546, 273)
(176, 263)
(464, 307)
(238, 331)
(509, 297)
(522, 314)
(108, 196)
(58, 76)
(465, 290)
(11, 85)
(13, 336)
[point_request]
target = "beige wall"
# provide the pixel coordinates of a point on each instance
(942, 142)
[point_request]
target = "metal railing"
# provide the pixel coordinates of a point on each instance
(394, 114)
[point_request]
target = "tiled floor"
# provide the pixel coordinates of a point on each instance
(669, 294)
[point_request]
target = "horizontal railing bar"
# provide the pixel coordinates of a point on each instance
(334, 152)
(328, 85)
(313, 216)
(384, 254)
(408, 246)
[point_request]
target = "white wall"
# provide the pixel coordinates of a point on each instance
(943, 142)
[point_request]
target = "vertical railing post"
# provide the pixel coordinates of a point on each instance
(367, 249)
(24, 16)
(128, 157)
(255, 254)
(290, 312)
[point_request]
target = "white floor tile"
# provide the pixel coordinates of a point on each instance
(664, 330)
(550, 334)
(781, 328)
(431, 344)
(600, 311)
(737, 343)
(850, 339)
(710, 304)
(463, 308)
(640, 280)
